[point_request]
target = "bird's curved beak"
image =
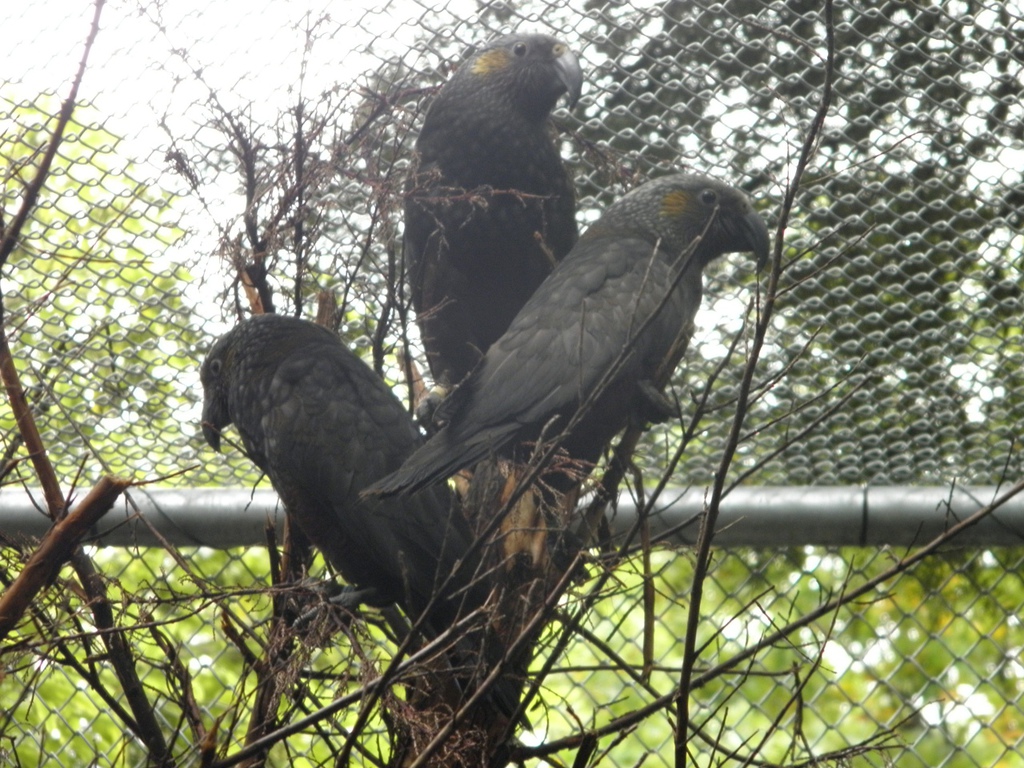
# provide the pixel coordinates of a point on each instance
(758, 239)
(213, 420)
(571, 76)
(211, 435)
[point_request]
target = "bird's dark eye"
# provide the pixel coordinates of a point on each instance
(215, 367)
(519, 49)
(708, 197)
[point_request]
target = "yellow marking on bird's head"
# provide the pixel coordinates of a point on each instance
(676, 203)
(491, 61)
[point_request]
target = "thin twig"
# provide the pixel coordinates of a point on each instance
(703, 553)
(847, 597)
(28, 202)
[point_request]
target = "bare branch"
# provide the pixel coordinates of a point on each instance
(55, 550)
(13, 231)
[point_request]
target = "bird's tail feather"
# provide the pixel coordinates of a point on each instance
(440, 458)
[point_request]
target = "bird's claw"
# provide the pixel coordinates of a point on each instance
(651, 405)
(427, 407)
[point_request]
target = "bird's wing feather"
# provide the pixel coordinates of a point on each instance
(331, 428)
(568, 335)
(552, 357)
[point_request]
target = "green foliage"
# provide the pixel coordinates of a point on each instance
(934, 659)
(190, 628)
(94, 307)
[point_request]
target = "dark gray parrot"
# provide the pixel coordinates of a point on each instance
(490, 207)
(631, 285)
(323, 426)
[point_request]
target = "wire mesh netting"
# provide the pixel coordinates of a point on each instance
(218, 147)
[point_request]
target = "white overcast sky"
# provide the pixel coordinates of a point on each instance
(253, 49)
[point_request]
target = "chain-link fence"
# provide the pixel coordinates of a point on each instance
(218, 147)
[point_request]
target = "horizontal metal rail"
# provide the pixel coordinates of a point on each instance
(759, 516)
